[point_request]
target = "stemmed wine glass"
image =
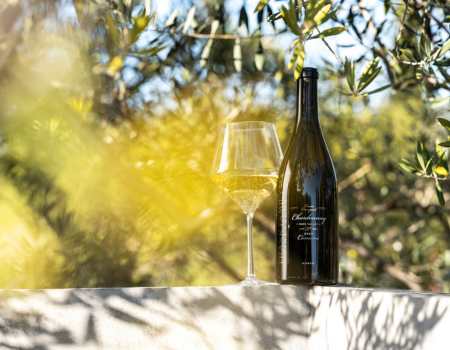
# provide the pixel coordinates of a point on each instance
(245, 166)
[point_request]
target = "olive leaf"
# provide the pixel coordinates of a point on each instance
(243, 17)
(207, 48)
(270, 13)
(376, 90)
(171, 20)
(140, 23)
(387, 6)
(425, 44)
(438, 102)
(444, 74)
(78, 4)
(295, 15)
(409, 56)
(261, 5)
(419, 73)
(259, 57)
(260, 18)
(300, 61)
(297, 59)
(419, 51)
(147, 6)
(350, 73)
(422, 156)
(427, 158)
(439, 194)
(431, 72)
(442, 63)
(444, 49)
(343, 92)
(370, 73)
(409, 167)
(313, 8)
(294, 43)
(327, 17)
(115, 65)
(237, 55)
(297, 48)
(442, 164)
(329, 32)
(151, 52)
(273, 17)
(290, 20)
(189, 19)
(113, 29)
(322, 13)
(445, 123)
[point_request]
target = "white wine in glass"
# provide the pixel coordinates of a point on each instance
(246, 164)
(247, 191)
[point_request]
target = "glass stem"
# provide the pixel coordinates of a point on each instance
(251, 265)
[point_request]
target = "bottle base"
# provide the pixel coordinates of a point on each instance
(308, 283)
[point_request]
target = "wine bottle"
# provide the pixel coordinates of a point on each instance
(307, 200)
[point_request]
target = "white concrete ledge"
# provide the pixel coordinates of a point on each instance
(266, 317)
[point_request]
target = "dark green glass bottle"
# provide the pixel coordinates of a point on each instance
(307, 249)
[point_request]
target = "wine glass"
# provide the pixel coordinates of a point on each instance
(245, 166)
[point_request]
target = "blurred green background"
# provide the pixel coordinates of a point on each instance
(107, 133)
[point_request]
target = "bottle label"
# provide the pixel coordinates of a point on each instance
(308, 221)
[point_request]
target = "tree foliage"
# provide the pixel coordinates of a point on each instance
(108, 121)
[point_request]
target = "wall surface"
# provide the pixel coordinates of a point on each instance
(264, 317)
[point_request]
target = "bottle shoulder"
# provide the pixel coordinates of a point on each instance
(299, 171)
(308, 154)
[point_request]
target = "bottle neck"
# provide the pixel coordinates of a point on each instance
(307, 105)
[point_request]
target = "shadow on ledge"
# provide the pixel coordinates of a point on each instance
(267, 317)
(353, 318)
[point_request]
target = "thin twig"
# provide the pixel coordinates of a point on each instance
(424, 19)
(391, 270)
(381, 51)
(258, 28)
(354, 177)
(399, 83)
(304, 4)
(447, 178)
(411, 30)
(128, 11)
(324, 41)
(221, 36)
(445, 87)
(402, 24)
(425, 3)
(434, 82)
(368, 18)
(421, 63)
(440, 24)
(329, 48)
(383, 56)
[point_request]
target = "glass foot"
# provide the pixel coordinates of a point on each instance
(251, 281)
